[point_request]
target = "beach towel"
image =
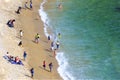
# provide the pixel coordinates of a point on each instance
(12, 61)
(19, 63)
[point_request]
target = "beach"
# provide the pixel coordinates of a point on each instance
(30, 22)
(89, 39)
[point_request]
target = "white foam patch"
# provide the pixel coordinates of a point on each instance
(44, 17)
(63, 68)
(63, 65)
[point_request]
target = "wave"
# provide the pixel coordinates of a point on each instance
(62, 61)
(63, 68)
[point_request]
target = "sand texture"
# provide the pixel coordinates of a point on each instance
(29, 21)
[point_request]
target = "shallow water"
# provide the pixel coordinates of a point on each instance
(89, 46)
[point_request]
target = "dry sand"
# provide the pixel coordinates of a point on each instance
(9, 42)
(29, 21)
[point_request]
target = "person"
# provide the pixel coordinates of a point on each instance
(59, 36)
(48, 37)
(10, 23)
(18, 11)
(21, 34)
(37, 38)
(26, 5)
(50, 66)
(17, 59)
(52, 45)
(20, 43)
(30, 1)
(60, 6)
(57, 44)
(32, 72)
(11, 58)
(44, 64)
(24, 55)
(30, 4)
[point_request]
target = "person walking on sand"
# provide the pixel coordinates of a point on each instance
(21, 34)
(31, 5)
(44, 64)
(50, 66)
(26, 7)
(24, 55)
(32, 72)
(37, 38)
(18, 10)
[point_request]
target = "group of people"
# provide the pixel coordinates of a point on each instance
(12, 59)
(25, 7)
(54, 45)
(50, 65)
(30, 5)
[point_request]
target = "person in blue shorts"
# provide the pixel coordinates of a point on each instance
(32, 72)
(30, 4)
(24, 55)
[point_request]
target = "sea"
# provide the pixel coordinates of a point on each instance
(90, 37)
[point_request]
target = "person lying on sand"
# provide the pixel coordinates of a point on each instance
(10, 23)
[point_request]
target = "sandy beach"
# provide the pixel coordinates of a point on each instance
(29, 21)
(37, 53)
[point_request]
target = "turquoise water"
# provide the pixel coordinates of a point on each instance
(89, 46)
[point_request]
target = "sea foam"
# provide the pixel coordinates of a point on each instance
(62, 61)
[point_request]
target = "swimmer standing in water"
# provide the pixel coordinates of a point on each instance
(60, 6)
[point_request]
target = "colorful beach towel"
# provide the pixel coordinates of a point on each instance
(12, 61)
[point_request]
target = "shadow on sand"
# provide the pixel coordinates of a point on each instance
(43, 68)
(48, 50)
(28, 76)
